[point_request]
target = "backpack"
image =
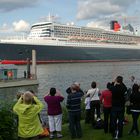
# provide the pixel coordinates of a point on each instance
(99, 124)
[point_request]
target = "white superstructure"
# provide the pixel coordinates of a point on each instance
(53, 32)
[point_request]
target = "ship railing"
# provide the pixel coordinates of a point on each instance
(78, 44)
(13, 37)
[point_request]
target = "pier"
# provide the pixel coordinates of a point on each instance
(11, 84)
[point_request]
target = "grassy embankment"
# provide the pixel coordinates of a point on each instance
(91, 134)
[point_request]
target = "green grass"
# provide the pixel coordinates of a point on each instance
(91, 134)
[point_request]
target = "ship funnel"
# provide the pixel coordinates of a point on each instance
(114, 25)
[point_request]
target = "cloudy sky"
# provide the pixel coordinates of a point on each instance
(18, 15)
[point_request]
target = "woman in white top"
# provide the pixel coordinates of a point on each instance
(94, 101)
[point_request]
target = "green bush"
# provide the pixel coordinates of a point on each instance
(65, 115)
(8, 123)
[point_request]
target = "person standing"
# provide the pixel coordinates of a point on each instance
(87, 109)
(94, 101)
(74, 111)
(129, 90)
(106, 99)
(54, 112)
(29, 126)
(135, 101)
(68, 90)
(118, 89)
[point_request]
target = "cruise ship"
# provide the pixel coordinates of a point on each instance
(57, 43)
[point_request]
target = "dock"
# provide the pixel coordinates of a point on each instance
(18, 83)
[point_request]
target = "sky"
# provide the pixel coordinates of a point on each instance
(17, 16)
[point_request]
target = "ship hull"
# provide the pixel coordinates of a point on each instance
(18, 53)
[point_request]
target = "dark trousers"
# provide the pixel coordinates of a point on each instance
(117, 118)
(107, 119)
(74, 124)
(94, 105)
(135, 116)
(87, 116)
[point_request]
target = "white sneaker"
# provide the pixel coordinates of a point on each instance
(59, 135)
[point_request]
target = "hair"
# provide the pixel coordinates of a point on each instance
(135, 88)
(32, 92)
(52, 91)
(77, 84)
(108, 85)
(93, 84)
(119, 79)
(132, 78)
(27, 98)
(74, 87)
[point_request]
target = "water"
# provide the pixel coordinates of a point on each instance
(62, 76)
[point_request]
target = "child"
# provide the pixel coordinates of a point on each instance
(87, 108)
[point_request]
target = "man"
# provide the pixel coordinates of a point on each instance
(118, 106)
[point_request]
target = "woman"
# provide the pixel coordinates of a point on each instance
(29, 126)
(135, 101)
(95, 101)
(106, 99)
(53, 100)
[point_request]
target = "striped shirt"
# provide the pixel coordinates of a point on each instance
(74, 102)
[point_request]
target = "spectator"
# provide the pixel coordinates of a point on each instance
(87, 108)
(118, 89)
(28, 116)
(106, 99)
(68, 90)
(135, 101)
(54, 112)
(129, 91)
(74, 110)
(94, 101)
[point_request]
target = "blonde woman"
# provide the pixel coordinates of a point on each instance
(29, 126)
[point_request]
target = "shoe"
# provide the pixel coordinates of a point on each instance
(115, 138)
(59, 135)
(51, 136)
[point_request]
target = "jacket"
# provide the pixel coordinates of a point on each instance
(28, 120)
(135, 101)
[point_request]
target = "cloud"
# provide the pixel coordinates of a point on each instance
(21, 26)
(98, 24)
(10, 5)
(5, 28)
(95, 9)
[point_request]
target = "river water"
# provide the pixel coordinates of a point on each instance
(63, 75)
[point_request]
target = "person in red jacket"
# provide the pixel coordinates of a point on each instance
(106, 99)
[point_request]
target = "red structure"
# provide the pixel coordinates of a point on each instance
(117, 26)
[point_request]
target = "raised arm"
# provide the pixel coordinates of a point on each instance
(16, 106)
(38, 106)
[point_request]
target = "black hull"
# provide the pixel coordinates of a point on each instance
(66, 54)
